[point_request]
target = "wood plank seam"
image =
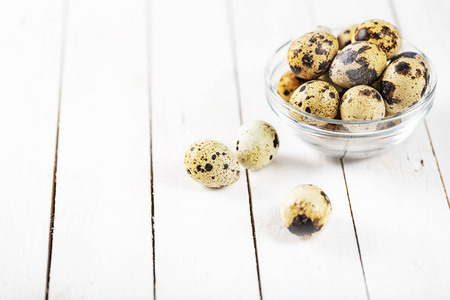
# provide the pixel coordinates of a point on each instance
(314, 21)
(354, 228)
(55, 166)
(437, 163)
(230, 18)
(149, 88)
(394, 12)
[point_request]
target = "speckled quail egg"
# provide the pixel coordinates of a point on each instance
(360, 63)
(345, 37)
(361, 103)
(326, 77)
(310, 55)
(288, 84)
(306, 210)
(379, 32)
(315, 97)
(416, 56)
(211, 163)
(257, 144)
(403, 84)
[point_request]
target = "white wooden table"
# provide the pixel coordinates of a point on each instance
(99, 101)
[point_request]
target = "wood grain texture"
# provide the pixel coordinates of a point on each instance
(398, 203)
(102, 247)
(29, 82)
(429, 34)
(325, 267)
(203, 237)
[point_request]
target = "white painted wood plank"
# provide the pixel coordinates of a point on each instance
(425, 24)
(102, 247)
(325, 267)
(203, 237)
(29, 81)
(399, 206)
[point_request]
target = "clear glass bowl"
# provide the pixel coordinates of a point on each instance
(341, 138)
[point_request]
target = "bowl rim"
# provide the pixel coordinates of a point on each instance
(427, 97)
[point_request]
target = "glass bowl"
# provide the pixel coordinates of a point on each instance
(356, 139)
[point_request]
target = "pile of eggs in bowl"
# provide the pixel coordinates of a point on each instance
(355, 77)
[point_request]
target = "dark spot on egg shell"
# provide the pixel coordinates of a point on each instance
(238, 172)
(347, 31)
(319, 50)
(300, 104)
(307, 60)
(223, 153)
(313, 39)
(276, 143)
(237, 148)
(365, 92)
(403, 68)
(332, 95)
(418, 72)
(286, 92)
(309, 97)
(321, 37)
(237, 143)
(270, 158)
(303, 226)
(323, 65)
(225, 166)
(325, 196)
(302, 88)
(308, 110)
(362, 76)
(188, 171)
(214, 157)
(295, 69)
(377, 96)
(297, 51)
(362, 34)
(208, 167)
(387, 90)
(192, 149)
(212, 177)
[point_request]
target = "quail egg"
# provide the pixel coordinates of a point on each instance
(257, 144)
(345, 37)
(416, 56)
(361, 103)
(379, 32)
(306, 210)
(360, 63)
(211, 163)
(310, 55)
(403, 84)
(326, 77)
(315, 97)
(288, 84)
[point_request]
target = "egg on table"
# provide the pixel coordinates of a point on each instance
(306, 210)
(403, 84)
(360, 63)
(379, 32)
(310, 55)
(288, 84)
(212, 164)
(257, 144)
(346, 35)
(361, 103)
(318, 98)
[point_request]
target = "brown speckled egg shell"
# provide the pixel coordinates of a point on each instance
(346, 35)
(315, 97)
(416, 56)
(211, 163)
(403, 84)
(306, 210)
(257, 144)
(288, 84)
(361, 103)
(379, 32)
(360, 63)
(310, 55)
